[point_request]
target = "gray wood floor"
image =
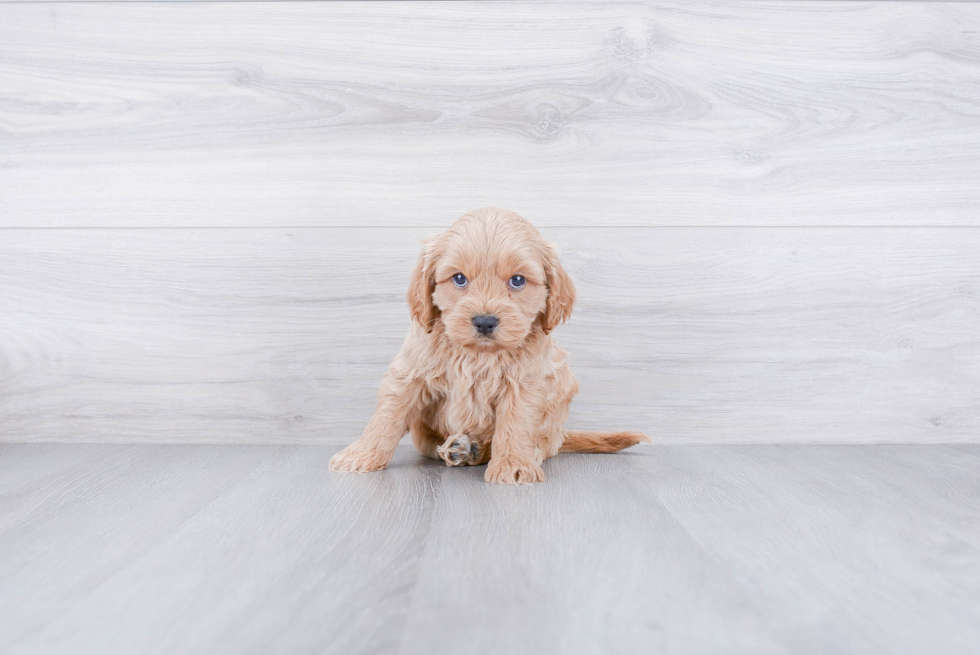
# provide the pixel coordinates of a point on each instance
(661, 549)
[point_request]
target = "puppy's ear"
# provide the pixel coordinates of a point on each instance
(561, 291)
(421, 286)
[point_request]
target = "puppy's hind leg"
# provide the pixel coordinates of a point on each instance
(463, 450)
(426, 440)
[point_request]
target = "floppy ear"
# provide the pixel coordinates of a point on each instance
(420, 289)
(561, 291)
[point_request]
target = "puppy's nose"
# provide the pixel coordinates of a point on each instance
(485, 324)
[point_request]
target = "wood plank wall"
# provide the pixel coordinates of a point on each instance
(209, 211)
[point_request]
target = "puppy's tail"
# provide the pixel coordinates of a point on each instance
(579, 441)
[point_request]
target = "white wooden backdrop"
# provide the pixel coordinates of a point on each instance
(209, 211)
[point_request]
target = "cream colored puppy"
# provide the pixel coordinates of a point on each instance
(479, 379)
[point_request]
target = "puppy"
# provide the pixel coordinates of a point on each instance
(479, 380)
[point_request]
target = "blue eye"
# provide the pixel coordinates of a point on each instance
(459, 280)
(517, 282)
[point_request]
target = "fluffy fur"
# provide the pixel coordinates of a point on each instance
(468, 398)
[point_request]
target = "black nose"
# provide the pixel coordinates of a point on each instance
(485, 324)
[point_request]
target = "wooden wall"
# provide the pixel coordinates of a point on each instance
(209, 211)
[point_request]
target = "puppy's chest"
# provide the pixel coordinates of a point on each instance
(469, 400)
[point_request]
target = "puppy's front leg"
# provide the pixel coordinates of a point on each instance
(398, 400)
(514, 459)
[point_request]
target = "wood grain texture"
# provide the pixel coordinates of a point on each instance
(832, 542)
(627, 113)
(588, 562)
(166, 549)
(694, 335)
(260, 549)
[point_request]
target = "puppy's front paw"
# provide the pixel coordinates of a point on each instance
(360, 458)
(460, 450)
(511, 470)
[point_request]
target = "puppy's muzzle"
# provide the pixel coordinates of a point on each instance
(485, 324)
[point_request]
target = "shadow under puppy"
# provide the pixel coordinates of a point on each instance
(479, 380)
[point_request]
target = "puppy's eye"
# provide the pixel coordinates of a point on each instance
(517, 282)
(459, 280)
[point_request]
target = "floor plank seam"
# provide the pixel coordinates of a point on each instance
(426, 543)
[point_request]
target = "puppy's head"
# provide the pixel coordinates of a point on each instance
(488, 279)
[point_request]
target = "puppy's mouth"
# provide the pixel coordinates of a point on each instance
(487, 342)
